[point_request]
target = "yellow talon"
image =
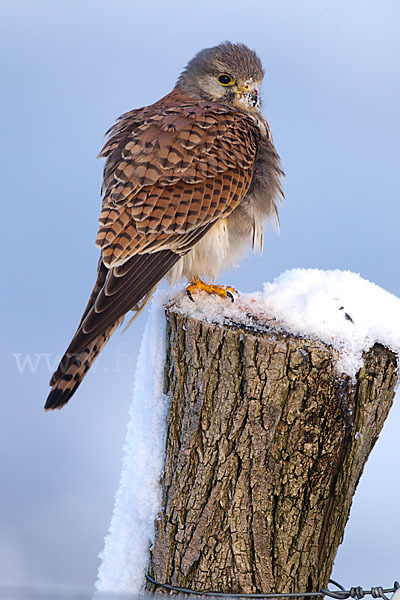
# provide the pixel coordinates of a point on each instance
(197, 285)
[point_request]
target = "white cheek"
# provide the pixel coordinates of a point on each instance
(212, 87)
(218, 90)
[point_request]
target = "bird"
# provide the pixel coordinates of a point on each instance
(188, 185)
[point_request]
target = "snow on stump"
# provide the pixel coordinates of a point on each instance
(276, 402)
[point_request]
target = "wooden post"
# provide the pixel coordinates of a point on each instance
(265, 447)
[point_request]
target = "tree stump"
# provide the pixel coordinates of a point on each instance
(265, 446)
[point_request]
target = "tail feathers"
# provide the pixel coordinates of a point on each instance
(128, 286)
(73, 368)
(139, 307)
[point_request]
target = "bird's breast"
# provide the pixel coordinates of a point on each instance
(221, 247)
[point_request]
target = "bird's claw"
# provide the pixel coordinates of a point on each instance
(225, 291)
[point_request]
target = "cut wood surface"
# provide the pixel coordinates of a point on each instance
(265, 445)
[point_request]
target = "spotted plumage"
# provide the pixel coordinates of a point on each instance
(188, 183)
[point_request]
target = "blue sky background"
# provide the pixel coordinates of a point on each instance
(68, 69)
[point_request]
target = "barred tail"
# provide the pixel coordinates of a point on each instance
(73, 368)
(116, 291)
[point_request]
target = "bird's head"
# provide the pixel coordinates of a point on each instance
(228, 73)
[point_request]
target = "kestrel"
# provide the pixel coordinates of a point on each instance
(188, 184)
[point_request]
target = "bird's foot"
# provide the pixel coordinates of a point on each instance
(197, 285)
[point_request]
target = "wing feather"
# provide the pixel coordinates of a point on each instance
(183, 166)
(172, 170)
(141, 274)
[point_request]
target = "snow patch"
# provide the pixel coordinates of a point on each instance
(339, 308)
(137, 501)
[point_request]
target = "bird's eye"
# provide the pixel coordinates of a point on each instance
(225, 79)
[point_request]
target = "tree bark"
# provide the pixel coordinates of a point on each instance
(265, 446)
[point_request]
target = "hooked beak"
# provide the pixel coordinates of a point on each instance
(250, 93)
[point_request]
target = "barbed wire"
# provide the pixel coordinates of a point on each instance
(339, 594)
